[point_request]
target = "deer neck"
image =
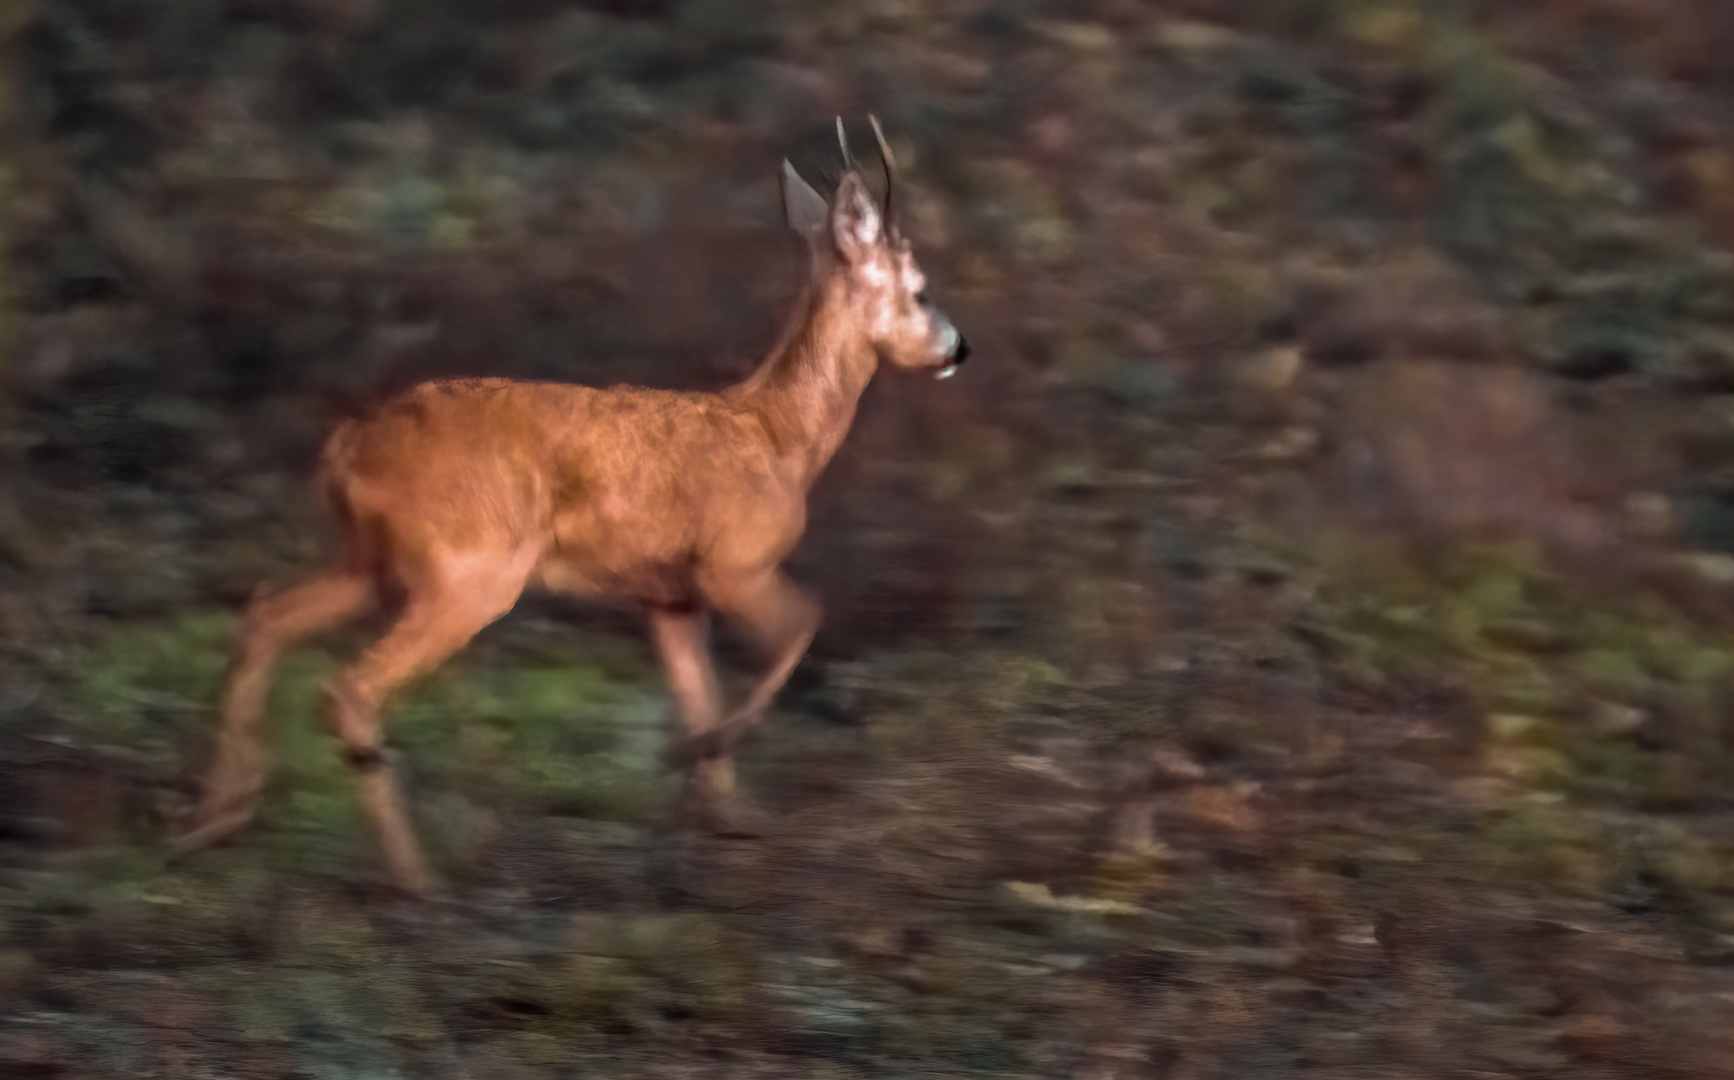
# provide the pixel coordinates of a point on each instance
(806, 392)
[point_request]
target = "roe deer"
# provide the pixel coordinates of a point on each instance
(459, 494)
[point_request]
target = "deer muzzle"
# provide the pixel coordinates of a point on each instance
(956, 352)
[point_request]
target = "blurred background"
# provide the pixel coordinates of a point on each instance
(1297, 644)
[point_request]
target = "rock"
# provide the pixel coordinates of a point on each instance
(1290, 444)
(1649, 515)
(1271, 371)
(1712, 566)
(1612, 718)
(1086, 38)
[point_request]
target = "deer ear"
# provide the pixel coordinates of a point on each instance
(855, 222)
(804, 208)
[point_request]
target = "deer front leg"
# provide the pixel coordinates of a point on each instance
(682, 642)
(781, 618)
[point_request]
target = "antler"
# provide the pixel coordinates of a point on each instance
(888, 161)
(843, 145)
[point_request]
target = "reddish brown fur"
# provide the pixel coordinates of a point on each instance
(459, 494)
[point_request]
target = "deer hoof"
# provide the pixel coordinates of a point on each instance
(728, 820)
(209, 830)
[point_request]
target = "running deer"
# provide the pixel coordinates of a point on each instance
(456, 496)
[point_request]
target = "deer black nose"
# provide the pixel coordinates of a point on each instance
(961, 353)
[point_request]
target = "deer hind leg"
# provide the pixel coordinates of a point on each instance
(235, 783)
(440, 617)
(781, 618)
(682, 643)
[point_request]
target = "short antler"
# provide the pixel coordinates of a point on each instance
(843, 145)
(890, 165)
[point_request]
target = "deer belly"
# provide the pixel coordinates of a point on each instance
(670, 582)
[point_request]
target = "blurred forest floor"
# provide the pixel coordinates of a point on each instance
(1298, 644)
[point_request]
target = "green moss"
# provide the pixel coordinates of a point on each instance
(1546, 844)
(369, 993)
(491, 730)
(1686, 860)
(1207, 913)
(140, 684)
(1609, 671)
(632, 973)
(563, 738)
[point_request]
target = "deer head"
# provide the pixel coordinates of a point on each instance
(856, 246)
